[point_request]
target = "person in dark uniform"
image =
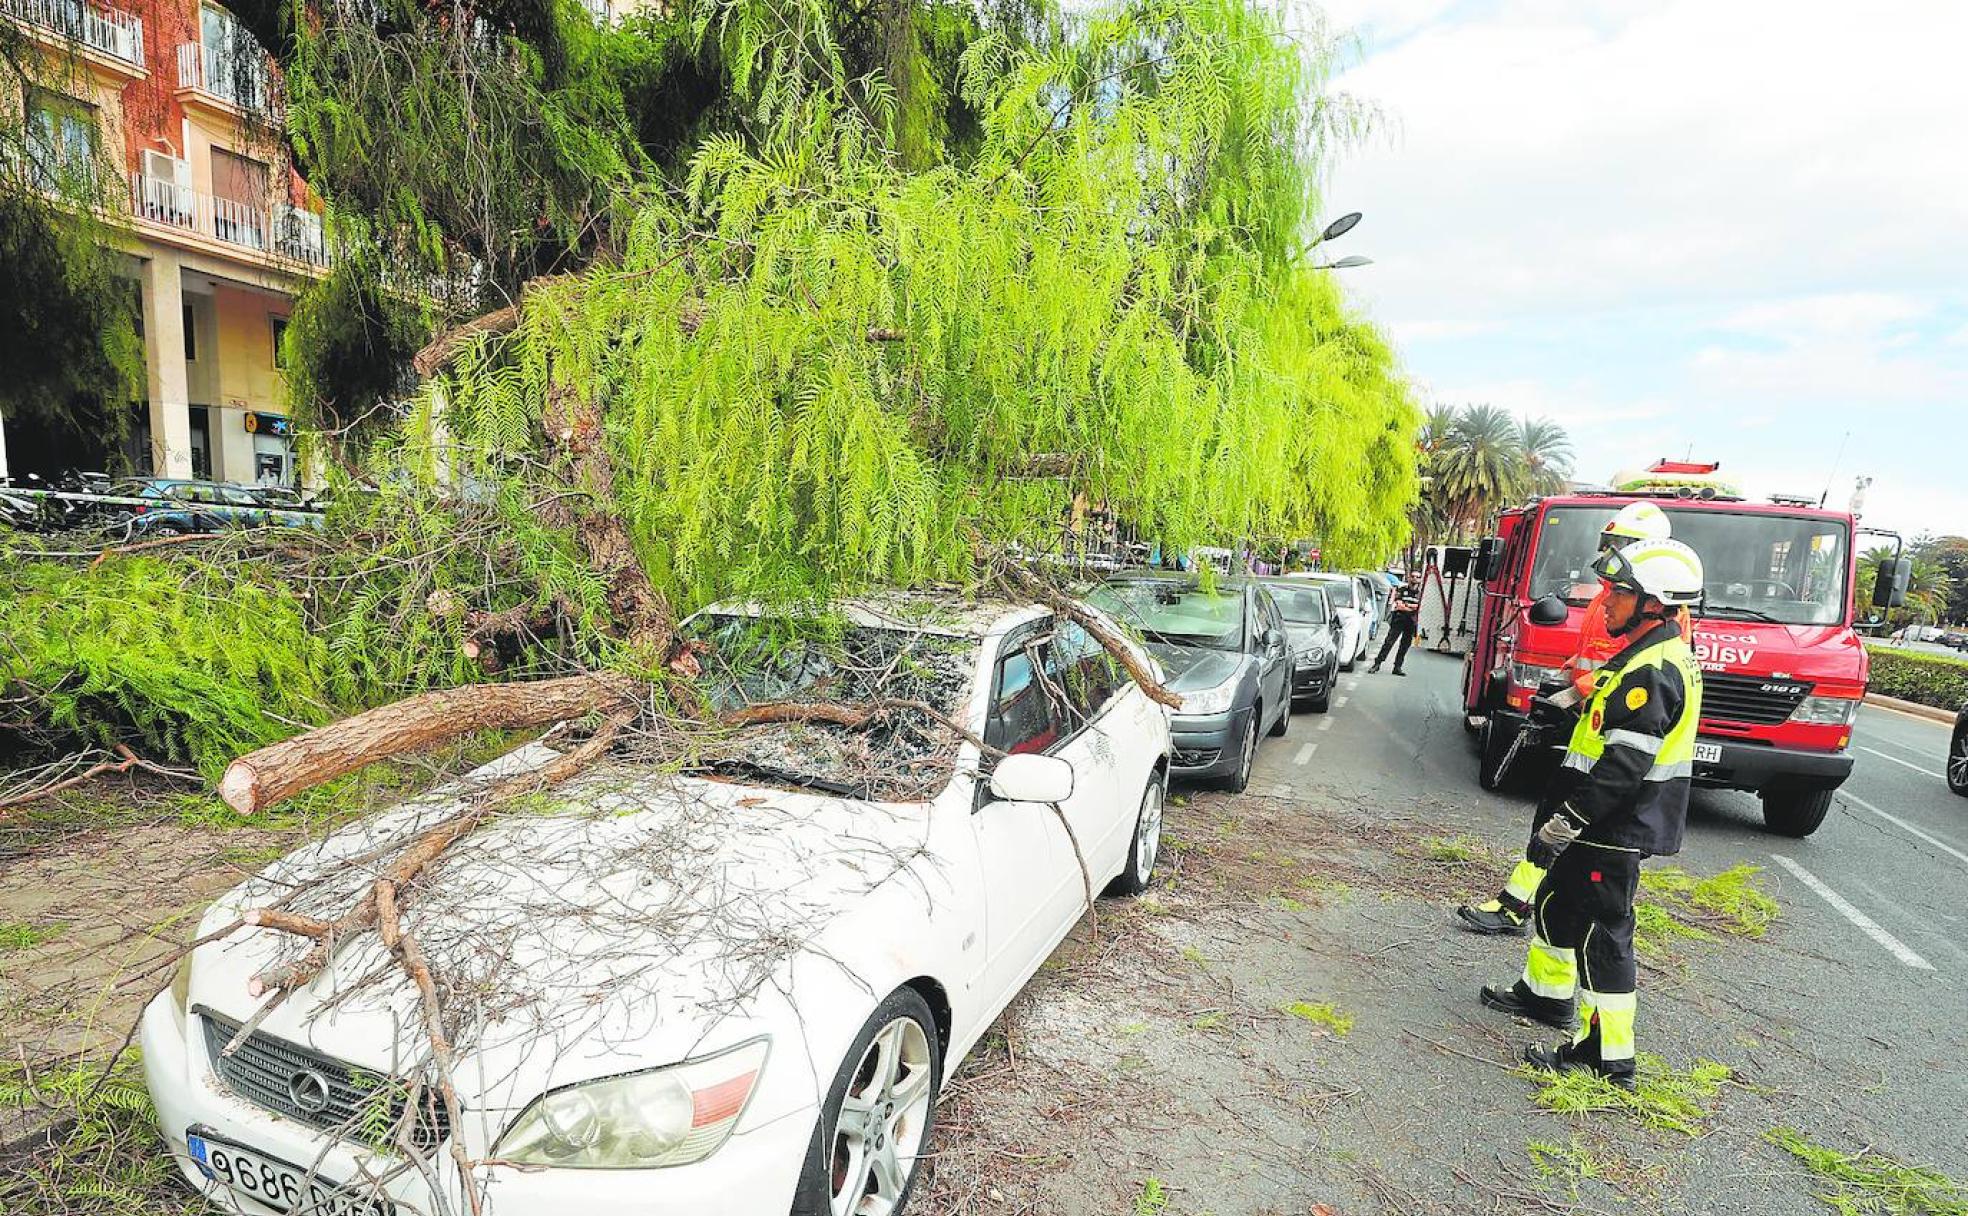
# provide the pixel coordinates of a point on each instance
(1624, 798)
(1401, 625)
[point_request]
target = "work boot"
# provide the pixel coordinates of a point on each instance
(1519, 1001)
(1564, 1058)
(1399, 672)
(1374, 670)
(1504, 915)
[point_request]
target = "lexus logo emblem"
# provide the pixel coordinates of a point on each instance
(309, 1091)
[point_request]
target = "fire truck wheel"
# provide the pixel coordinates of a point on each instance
(1790, 810)
(1495, 743)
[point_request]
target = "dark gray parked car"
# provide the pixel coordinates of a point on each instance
(1314, 632)
(1957, 758)
(1225, 651)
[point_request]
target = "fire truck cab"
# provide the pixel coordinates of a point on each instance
(1783, 672)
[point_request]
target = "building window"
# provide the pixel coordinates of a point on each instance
(240, 191)
(191, 337)
(279, 333)
(61, 142)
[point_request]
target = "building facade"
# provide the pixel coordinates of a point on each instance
(220, 236)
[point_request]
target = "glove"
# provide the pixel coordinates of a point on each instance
(1553, 838)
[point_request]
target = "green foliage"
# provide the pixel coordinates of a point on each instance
(18, 935)
(1868, 1183)
(1323, 1013)
(1928, 590)
(1166, 345)
(1454, 850)
(175, 659)
(1732, 900)
(1152, 1199)
(1924, 678)
(1656, 929)
(1662, 1098)
(110, 1163)
(348, 346)
(1478, 458)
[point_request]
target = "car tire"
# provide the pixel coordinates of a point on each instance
(1146, 847)
(1494, 742)
(1283, 723)
(1323, 702)
(1957, 763)
(902, 1133)
(1239, 778)
(1792, 810)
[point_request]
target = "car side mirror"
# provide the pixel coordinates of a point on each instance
(1891, 588)
(1489, 558)
(1032, 778)
(1549, 611)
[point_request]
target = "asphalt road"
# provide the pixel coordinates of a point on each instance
(1864, 983)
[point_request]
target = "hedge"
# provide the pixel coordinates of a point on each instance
(1929, 679)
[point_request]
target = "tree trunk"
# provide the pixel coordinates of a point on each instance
(261, 778)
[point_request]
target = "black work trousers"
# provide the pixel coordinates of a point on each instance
(1403, 629)
(1585, 904)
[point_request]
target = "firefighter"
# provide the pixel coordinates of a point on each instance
(1632, 754)
(1509, 911)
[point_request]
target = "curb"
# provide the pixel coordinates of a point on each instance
(1912, 708)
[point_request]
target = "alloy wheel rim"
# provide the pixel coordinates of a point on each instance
(1148, 833)
(881, 1123)
(1958, 763)
(1250, 745)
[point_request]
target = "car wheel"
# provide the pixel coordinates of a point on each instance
(1323, 702)
(869, 1143)
(1239, 779)
(1146, 846)
(1791, 810)
(1957, 765)
(1283, 723)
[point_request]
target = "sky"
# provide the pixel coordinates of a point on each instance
(1731, 229)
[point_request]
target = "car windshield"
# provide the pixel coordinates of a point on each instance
(1300, 604)
(1341, 591)
(1788, 569)
(1181, 614)
(753, 660)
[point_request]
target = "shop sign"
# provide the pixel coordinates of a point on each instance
(269, 424)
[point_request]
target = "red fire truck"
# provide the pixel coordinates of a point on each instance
(1783, 671)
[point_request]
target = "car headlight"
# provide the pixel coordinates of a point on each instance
(1826, 711)
(645, 1120)
(1533, 675)
(1210, 700)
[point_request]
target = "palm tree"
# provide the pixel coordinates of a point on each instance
(1926, 593)
(1547, 456)
(1483, 464)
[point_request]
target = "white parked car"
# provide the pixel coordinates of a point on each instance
(737, 988)
(1346, 594)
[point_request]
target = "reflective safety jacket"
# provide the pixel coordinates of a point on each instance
(1632, 754)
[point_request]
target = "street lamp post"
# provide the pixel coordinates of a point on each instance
(1333, 231)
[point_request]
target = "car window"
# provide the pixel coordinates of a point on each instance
(1175, 613)
(1301, 605)
(1341, 590)
(239, 498)
(1267, 612)
(1083, 668)
(1024, 716)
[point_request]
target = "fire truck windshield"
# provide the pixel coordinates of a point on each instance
(1784, 568)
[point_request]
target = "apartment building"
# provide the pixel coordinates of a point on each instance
(220, 236)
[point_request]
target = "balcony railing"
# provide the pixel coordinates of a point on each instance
(210, 69)
(116, 34)
(288, 231)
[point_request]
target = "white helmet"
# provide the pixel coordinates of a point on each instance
(1667, 570)
(1637, 521)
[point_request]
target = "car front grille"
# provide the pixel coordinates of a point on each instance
(1755, 700)
(1196, 757)
(360, 1105)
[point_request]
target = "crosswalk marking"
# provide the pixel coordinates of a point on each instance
(1870, 927)
(1305, 753)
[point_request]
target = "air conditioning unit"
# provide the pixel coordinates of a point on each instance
(166, 194)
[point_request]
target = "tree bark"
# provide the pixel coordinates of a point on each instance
(261, 778)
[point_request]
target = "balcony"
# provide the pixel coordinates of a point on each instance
(109, 32)
(212, 72)
(280, 230)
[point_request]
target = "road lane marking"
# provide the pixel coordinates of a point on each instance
(1325, 723)
(1907, 764)
(1305, 753)
(1922, 750)
(1870, 927)
(1339, 701)
(1942, 845)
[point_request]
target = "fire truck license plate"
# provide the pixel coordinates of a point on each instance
(1708, 753)
(275, 1183)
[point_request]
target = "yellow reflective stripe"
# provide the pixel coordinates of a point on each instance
(1615, 1011)
(1550, 972)
(1524, 880)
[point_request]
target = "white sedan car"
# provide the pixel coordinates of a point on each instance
(1346, 593)
(730, 986)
